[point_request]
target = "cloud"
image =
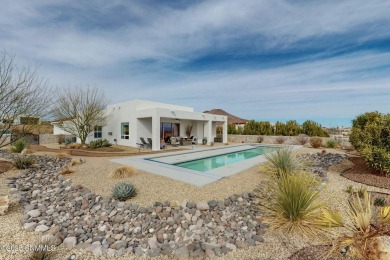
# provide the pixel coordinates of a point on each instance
(283, 58)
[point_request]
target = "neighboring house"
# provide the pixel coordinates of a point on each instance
(133, 119)
(232, 119)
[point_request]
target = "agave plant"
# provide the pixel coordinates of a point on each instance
(123, 191)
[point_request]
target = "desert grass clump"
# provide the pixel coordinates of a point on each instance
(44, 250)
(19, 145)
(61, 155)
(260, 139)
(75, 162)
(302, 139)
(23, 162)
(26, 151)
(315, 142)
(123, 191)
(65, 170)
(283, 161)
(61, 139)
(122, 172)
(75, 146)
(332, 143)
(280, 139)
(293, 205)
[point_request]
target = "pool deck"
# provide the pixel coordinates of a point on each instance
(162, 164)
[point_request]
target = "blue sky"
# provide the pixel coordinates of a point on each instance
(264, 60)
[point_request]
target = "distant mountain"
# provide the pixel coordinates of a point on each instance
(231, 118)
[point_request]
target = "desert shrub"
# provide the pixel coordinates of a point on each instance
(211, 143)
(99, 143)
(77, 162)
(61, 139)
(379, 202)
(371, 137)
(122, 172)
(293, 202)
(44, 250)
(280, 139)
(75, 146)
(302, 139)
(283, 161)
(316, 142)
(65, 170)
(260, 139)
(26, 151)
(361, 191)
(331, 143)
(23, 162)
(350, 189)
(61, 155)
(123, 191)
(19, 145)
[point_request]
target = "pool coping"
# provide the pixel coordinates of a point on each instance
(197, 178)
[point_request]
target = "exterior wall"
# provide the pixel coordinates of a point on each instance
(271, 139)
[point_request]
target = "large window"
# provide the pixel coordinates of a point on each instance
(97, 132)
(125, 130)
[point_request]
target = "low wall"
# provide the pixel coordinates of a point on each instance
(271, 139)
(48, 139)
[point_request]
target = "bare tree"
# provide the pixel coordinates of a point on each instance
(22, 95)
(80, 110)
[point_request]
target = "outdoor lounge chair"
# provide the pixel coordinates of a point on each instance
(145, 144)
(150, 142)
(174, 141)
(195, 140)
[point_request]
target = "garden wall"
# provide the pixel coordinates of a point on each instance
(48, 139)
(271, 139)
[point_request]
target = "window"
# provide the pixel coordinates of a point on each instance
(97, 132)
(125, 130)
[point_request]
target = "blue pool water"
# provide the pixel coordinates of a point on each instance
(210, 163)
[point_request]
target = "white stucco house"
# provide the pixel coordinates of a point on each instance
(133, 119)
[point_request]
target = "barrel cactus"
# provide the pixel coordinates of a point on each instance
(123, 191)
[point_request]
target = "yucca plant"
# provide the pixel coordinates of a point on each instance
(123, 191)
(363, 229)
(293, 205)
(283, 161)
(361, 192)
(23, 162)
(379, 202)
(350, 189)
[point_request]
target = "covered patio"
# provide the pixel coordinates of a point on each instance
(153, 123)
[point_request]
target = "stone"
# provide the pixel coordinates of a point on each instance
(191, 205)
(231, 246)
(152, 242)
(182, 252)
(209, 253)
(250, 242)
(30, 226)
(212, 203)
(153, 252)
(258, 238)
(120, 244)
(138, 251)
(98, 250)
(70, 241)
(202, 206)
(41, 228)
(34, 213)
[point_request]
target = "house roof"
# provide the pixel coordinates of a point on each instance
(232, 119)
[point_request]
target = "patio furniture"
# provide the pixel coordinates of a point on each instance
(185, 141)
(174, 141)
(145, 144)
(150, 142)
(204, 140)
(195, 140)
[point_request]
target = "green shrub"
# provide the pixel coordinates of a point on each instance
(23, 162)
(379, 202)
(99, 143)
(371, 137)
(260, 139)
(312, 128)
(350, 189)
(316, 142)
(331, 143)
(123, 191)
(284, 161)
(19, 145)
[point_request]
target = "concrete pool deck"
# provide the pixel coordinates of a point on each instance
(162, 164)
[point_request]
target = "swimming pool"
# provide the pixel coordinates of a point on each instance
(213, 162)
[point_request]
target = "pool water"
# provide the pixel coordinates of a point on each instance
(206, 164)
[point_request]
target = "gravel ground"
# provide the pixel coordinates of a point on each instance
(93, 175)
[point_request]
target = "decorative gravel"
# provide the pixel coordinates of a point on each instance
(224, 224)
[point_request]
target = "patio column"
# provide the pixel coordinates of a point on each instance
(209, 132)
(155, 132)
(225, 135)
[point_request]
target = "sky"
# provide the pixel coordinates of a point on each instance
(327, 61)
